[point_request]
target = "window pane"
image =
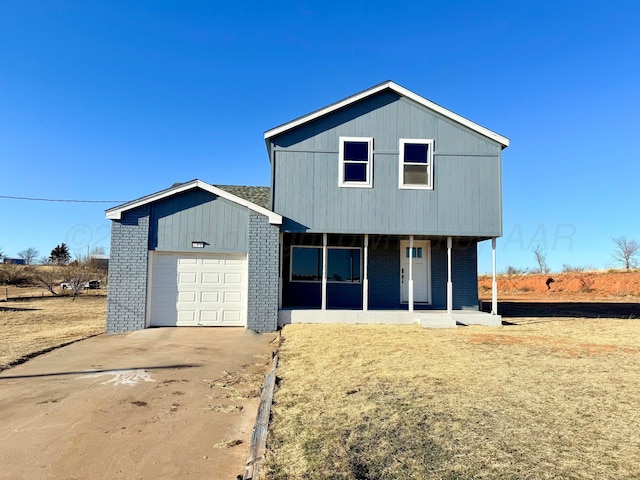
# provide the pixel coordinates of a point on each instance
(306, 264)
(343, 265)
(416, 175)
(355, 172)
(356, 151)
(416, 152)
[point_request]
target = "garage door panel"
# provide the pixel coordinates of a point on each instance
(233, 278)
(210, 297)
(186, 316)
(187, 278)
(188, 261)
(230, 316)
(233, 261)
(232, 297)
(211, 278)
(187, 297)
(209, 317)
(191, 290)
(211, 261)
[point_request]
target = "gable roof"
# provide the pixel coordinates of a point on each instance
(245, 196)
(261, 196)
(394, 87)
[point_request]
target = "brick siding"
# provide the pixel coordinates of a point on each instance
(127, 297)
(262, 301)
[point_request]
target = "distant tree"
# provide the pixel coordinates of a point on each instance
(511, 270)
(97, 251)
(1, 252)
(78, 273)
(48, 277)
(625, 251)
(60, 255)
(541, 259)
(43, 261)
(29, 255)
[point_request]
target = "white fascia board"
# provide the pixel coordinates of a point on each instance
(504, 141)
(116, 213)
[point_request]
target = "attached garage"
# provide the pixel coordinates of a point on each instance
(194, 254)
(191, 290)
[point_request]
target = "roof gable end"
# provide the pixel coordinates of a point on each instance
(116, 212)
(394, 87)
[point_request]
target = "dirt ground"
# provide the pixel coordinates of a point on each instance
(612, 286)
(156, 403)
(598, 294)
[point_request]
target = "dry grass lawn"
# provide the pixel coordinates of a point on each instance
(545, 398)
(36, 325)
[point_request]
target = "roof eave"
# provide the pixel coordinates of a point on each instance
(503, 141)
(116, 212)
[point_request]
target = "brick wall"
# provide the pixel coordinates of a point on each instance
(262, 301)
(384, 274)
(127, 297)
(464, 275)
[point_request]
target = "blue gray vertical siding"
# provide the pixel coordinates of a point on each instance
(197, 215)
(128, 269)
(466, 194)
(262, 301)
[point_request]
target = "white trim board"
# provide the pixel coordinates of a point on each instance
(116, 212)
(389, 85)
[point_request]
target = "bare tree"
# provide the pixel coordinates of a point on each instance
(625, 251)
(48, 276)
(78, 274)
(97, 251)
(29, 254)
(541, 259)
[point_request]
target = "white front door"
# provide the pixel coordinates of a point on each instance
(421, 264)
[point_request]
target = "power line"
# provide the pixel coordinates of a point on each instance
(59, 200)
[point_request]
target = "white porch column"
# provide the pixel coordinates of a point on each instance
(324, 271)
(280, 271)
(449, 282)
(411, 273)
(494, 283)
(365, 276)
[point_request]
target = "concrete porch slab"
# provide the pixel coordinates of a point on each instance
(426, 318)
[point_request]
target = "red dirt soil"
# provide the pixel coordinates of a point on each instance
(595, 286)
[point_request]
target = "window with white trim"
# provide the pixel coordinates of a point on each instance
(356, 162)
(415, 163)
(343, 264)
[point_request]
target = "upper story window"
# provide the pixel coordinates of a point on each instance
(415, 163)
(356, 162)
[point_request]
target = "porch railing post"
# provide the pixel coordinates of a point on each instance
(411, 273)
(324, 271)
(449, 282)
(365, 277)
(494, 283)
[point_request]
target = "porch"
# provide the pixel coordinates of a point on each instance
(366, 278)
(426, 318)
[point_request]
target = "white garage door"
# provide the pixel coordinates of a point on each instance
(202, 290)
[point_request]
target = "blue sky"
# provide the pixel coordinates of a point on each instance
(115, 100)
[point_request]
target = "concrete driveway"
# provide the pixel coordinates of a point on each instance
(158, 403)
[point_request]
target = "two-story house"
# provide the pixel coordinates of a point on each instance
(375, 209)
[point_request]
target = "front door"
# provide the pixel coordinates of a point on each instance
(421, 263)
